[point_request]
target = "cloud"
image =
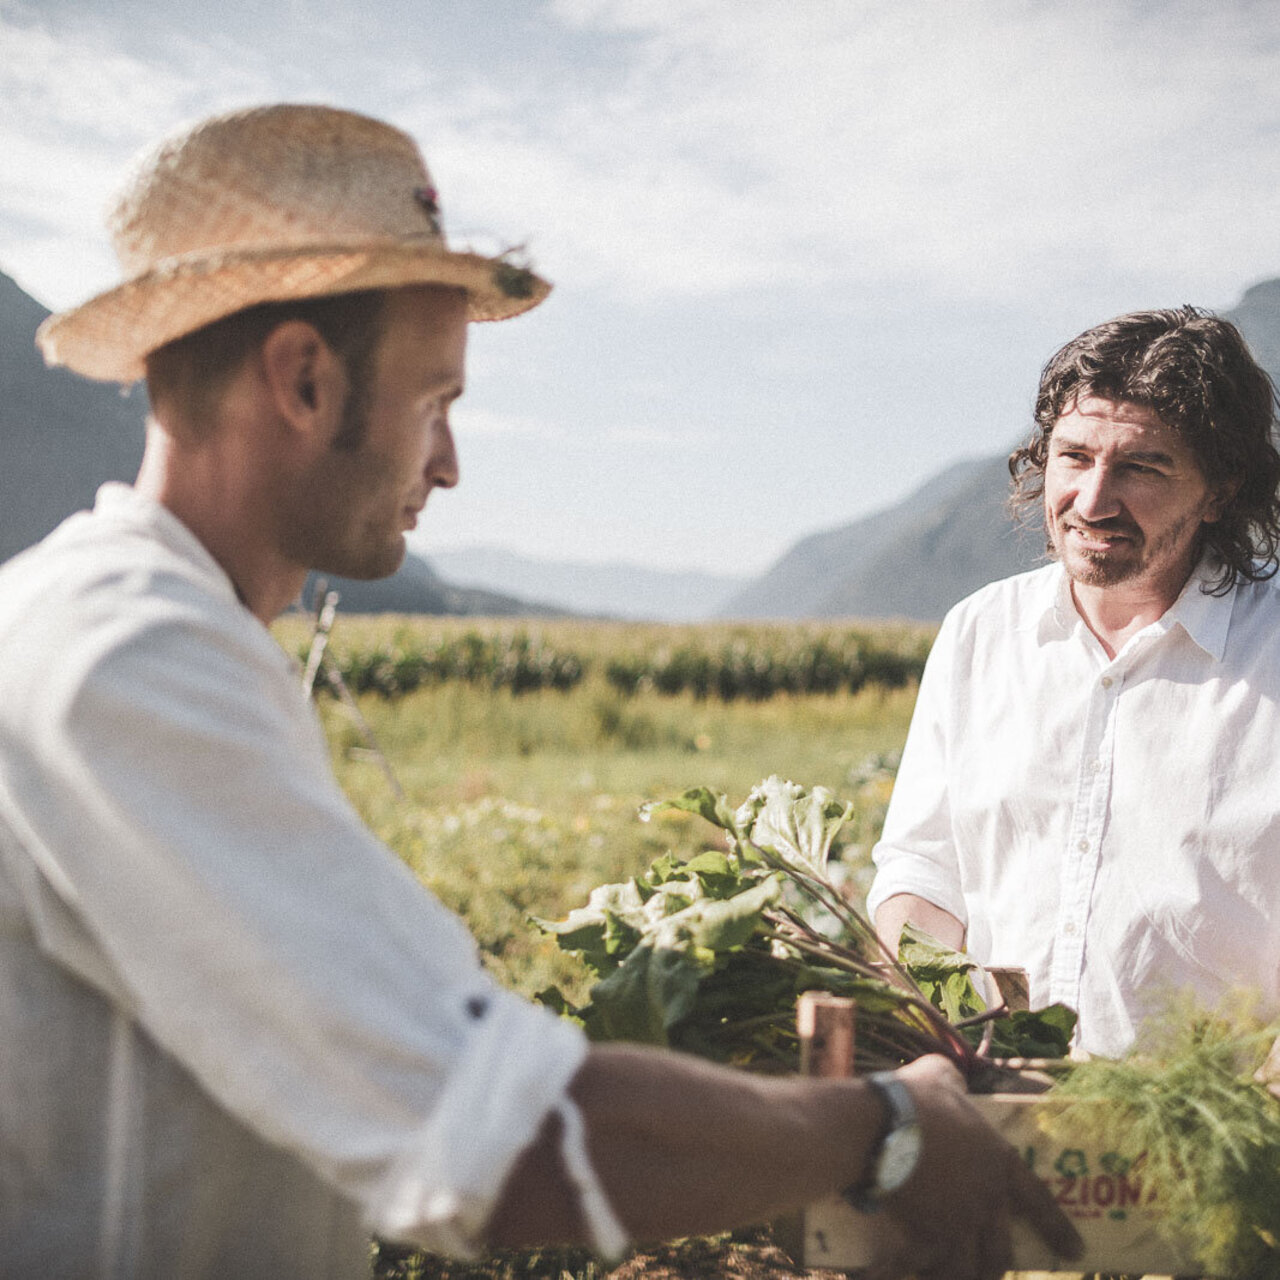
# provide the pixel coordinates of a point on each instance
(83, 85)
(983, 150)
(476, 423)
(479, 423)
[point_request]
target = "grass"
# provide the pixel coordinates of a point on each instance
(518, 805)
(521, 804)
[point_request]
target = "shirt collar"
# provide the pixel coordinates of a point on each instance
(123, 502)
(1053, 612)
(1205, 618)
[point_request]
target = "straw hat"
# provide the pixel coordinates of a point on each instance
(267, 205)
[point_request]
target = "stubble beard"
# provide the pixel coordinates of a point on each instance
(368, 552)
(1130, 560)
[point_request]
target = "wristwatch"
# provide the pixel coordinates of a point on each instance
(895, 1157)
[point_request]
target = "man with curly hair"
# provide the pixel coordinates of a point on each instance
(1088, 787)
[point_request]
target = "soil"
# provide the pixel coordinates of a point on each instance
(750, 1254)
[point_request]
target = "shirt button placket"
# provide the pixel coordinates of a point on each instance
(1080, 863)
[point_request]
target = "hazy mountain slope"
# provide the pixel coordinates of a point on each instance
(1258, 316)
(417, 588)
(60, 436)
(945, 551)
(616, 590)
(799, 584)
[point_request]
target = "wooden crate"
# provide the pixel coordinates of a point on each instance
(1117, 1213)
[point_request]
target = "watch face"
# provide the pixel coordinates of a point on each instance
(898, 1158)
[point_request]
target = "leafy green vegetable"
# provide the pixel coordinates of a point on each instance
(700, 800)
(1036, 1033)
(942, 974)
(946, 978)
(797, 826)
(710, 955)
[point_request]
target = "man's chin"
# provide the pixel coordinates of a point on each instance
(1102, 570)
(370, 565)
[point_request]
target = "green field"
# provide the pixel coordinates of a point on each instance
(518, 804)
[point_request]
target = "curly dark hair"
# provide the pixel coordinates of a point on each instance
(1195, 372)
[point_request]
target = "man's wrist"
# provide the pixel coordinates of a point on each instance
(896, 1151)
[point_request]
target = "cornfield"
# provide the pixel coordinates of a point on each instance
(725, 663)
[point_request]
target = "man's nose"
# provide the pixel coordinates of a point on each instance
(1096, 496)
(442, 462)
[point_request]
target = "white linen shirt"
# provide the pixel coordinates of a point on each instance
(1110, 825)
(236, 1035)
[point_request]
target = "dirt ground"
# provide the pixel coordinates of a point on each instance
(751, 1254)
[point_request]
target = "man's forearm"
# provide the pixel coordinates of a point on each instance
(683, 1147)
(728, 1148)
(907, 908)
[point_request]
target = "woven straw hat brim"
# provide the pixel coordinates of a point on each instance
(108, 337)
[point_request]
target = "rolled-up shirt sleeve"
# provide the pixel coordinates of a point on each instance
(916, 853)
(198, 864)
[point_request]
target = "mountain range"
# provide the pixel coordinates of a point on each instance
(61, 437)
(616, 589)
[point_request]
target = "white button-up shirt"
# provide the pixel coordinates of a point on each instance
(1110, 825)
(236, 1035)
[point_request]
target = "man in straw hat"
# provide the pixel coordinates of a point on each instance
(236, 1034)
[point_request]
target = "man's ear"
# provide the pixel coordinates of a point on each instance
(1220, 499)
(305, 379)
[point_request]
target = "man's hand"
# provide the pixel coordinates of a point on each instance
(955, 1209)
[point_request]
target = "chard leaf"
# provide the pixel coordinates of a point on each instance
(793, 824)
(945, 977)
(609, 925)
(656, 985)
(715, 925)
(920, 950)
(1043, 1033)
(719, 874)
(670, 898)
(645, 996)
(711, 862)
(708, 804)
(942, 974)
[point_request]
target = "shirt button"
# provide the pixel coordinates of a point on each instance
(1095, 766)
(1083, 846)
(1069, 930)
(1106, 682)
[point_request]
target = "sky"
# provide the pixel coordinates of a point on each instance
(806, 253)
